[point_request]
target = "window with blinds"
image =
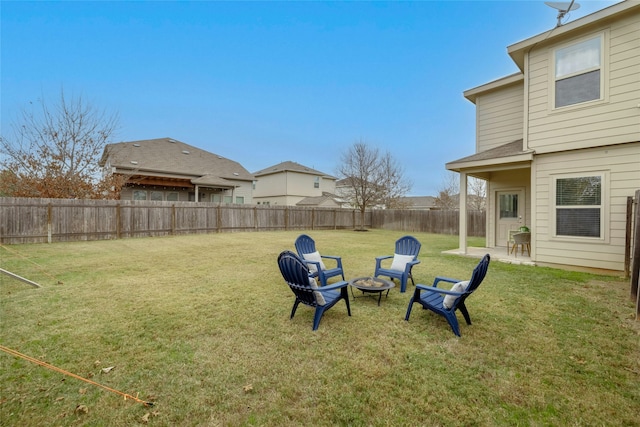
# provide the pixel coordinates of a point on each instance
(579, 206)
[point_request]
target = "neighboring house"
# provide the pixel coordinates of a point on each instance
(425, 203)
(288, 183)
(345, 193)
(559, 141)
(327, 200)
(166, 169)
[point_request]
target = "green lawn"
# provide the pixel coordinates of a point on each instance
(200, 326)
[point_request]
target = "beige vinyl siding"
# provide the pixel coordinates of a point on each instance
(300, 185)
(614, 120)
(509, 180)
(621, 166)
(272, 185)
(499, 116)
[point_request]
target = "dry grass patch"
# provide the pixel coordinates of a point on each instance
(200, 325)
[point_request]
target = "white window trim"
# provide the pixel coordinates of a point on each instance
(605, 226)
(604, 73)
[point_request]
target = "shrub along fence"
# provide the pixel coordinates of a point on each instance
(26, 220)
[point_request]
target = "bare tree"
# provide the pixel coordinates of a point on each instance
(394, 184)
(448, 194)
(477, 194)
(372, 179)
(54, 152)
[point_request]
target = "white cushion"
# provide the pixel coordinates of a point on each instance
(319, 297)
(400, 261)
(314, 256)
(448, 300)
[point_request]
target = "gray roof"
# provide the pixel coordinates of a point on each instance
(318, 200)
(507, 150)
(420, 200)
(290, 166)
(167, 156)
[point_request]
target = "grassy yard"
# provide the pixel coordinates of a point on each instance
(200, 326)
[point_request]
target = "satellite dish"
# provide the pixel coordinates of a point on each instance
(562, 8)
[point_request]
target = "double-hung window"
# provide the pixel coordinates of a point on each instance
(578, 72)
(579, 206)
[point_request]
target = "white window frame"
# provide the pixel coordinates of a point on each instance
(603, 67)
(604, 206)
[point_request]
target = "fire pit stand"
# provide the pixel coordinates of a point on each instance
(371, 285)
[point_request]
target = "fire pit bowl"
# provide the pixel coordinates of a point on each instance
(371, 285)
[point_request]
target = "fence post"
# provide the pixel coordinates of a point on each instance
(118, 221)
(173, 219)
(255, 217)
(219, 218)
(49, 225)
(635, 273)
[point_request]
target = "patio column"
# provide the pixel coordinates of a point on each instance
(197, 189)
(462, 232)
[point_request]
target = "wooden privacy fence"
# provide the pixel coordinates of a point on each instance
(26, 220)
(439, 222)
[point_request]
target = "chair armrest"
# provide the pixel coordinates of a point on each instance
(408, 266)
(316, 263)
(443, 279)
(337, 259)
(380, 258)
(438, 290)
(337, 285)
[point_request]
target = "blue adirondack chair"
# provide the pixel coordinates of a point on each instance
(404, 258)
(433, 298)
(306, 248)
(296, 274)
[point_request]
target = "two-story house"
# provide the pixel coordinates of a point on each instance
(559, 141)
(165, 169)
(289, 183)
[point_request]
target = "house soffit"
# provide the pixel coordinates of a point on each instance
(507, 156)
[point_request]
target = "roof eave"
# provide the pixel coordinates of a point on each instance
(457, 166)
(473, 93)
(517, 51)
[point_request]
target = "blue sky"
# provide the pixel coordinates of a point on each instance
(265, 82)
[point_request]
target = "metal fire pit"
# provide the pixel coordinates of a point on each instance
(371, 285)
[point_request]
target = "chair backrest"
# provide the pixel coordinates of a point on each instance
(296, 274)
(520, 238)
(408, 245)
(305, 245)
(478, 273)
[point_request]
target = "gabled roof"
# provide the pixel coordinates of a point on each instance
(518, 50)
(417, 201)
(290, 166)
(508, 153)
(318, 200)
(167, 156)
